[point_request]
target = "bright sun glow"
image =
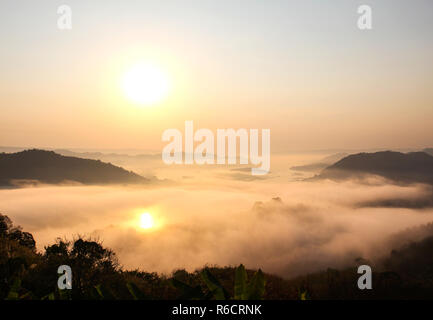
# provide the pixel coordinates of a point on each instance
(146, 84)
(146, 221)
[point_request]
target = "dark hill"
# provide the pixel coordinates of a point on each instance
(429, 151)
(50, 167)
(400, 167)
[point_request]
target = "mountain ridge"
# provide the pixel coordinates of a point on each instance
(412, 167)
(53, 168)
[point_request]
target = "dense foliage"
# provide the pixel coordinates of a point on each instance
(28, 274)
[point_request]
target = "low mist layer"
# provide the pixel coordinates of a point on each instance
(286, 228)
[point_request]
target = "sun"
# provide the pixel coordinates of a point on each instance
(146, 221)
(146, 84)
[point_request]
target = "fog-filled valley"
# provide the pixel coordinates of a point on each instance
(283, 223)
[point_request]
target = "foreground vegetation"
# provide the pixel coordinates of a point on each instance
(29, 275)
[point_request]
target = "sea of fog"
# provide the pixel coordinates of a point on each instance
(222, 216)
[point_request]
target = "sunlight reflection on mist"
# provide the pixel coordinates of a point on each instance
(306, 227)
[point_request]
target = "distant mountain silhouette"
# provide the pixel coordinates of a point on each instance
(321, 164)
(429, 151)
(50, 167)
(104, 156)
(400, 167)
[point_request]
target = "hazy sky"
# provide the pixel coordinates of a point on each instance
(301, 68)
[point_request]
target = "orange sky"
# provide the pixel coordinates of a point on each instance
(303, 70)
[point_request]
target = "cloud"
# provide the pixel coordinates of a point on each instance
(244, 177)
(281, 227)
(421, 200)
